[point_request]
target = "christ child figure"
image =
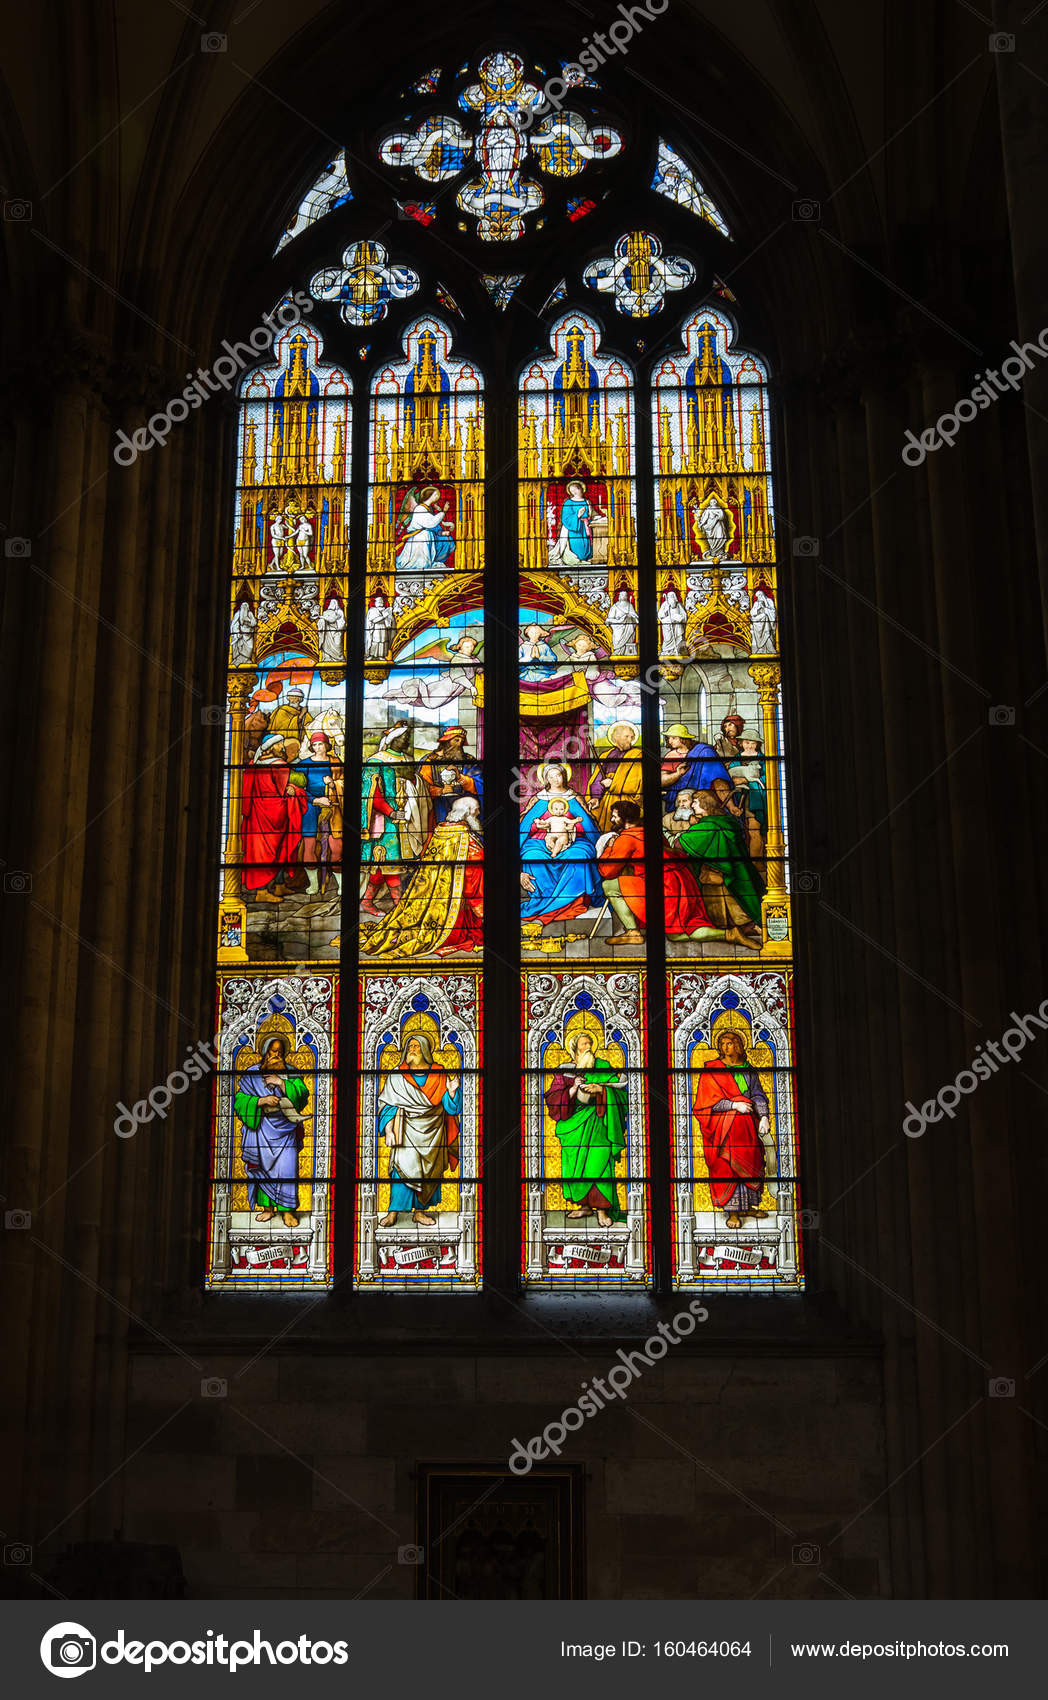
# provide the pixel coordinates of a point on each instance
(556, 826)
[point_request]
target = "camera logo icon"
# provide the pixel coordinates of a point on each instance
(212, 715)
(410, 1555)
(17, 883)
(1001, 715)
(807, 212)
(806, 1553)
(1001, 42)
(68, 1650)
(1001, 1387)
(214, 1387)
(809, 883)
(18, 212)
(17, 548)
(213, 42)
(17, 1219)
(806, 547)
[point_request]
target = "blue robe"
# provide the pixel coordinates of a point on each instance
(271, 1142)
(702, 766)
(574, 519)
(559, 880)
(315, 773)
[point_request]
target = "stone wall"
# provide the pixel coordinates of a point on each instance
(701, 1485)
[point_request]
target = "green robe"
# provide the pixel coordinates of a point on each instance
(590, 1145)
(714, 840)
(249, 1109)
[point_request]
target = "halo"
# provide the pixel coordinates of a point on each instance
(628, 724)
(543, 768)
(732, 1021)
(578, 1026)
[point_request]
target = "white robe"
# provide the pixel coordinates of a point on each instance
(623, 620)
(762, 624)
(417, 549)
(330, 626)
(379, 624)
(421, 1157)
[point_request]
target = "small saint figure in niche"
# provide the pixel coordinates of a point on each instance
(422, 541)
(574, 542)
(623, 620)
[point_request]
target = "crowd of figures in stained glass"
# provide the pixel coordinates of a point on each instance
(648, 805)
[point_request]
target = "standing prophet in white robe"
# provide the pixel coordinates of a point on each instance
(419, 1107)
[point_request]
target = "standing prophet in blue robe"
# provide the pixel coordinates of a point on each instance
(270, 1102)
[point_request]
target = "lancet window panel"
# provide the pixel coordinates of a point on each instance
(724, 783)
(420, 928)
(280, 862)
(273, 1130)
(419, 1186)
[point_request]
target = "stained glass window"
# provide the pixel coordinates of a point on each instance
(331, 190)
(273, 1140)
(364, 284)
(643, 908)
(675, 179)
(502, 289)
(639, 275)
(498, 139)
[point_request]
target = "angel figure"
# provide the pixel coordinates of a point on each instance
(421, 538)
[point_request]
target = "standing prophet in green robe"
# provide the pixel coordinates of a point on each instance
(588, 1106)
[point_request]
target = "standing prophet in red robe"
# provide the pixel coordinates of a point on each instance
(273, 804)
(731, 1108)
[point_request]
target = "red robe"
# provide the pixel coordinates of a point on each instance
(730, 1140)
(623, 859)
(467, 931)
(685, 909)
(272, 822)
